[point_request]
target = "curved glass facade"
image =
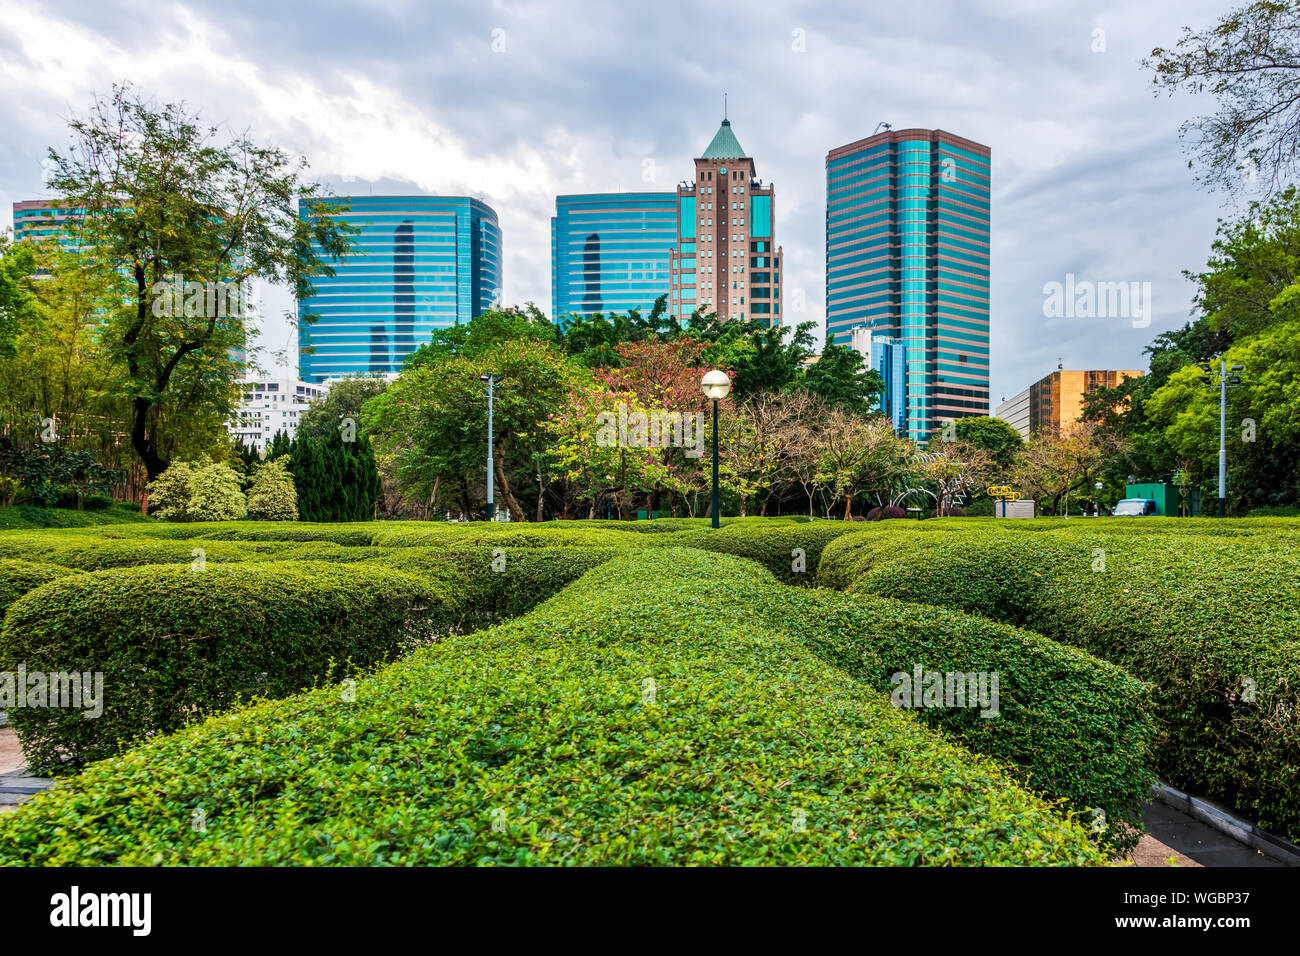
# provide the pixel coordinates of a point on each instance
(418, 263)
(907, 256)
(610, 252)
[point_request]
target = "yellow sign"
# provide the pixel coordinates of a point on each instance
(1005, 492)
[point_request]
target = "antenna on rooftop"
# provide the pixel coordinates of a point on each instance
(887, 126)
(724, 105)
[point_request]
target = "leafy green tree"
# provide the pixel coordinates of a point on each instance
(214, 494)
(272, 497)
(343, 401)
(841, 379)
(168, 203)
(169, 493)
(992, 435)
(17, 305)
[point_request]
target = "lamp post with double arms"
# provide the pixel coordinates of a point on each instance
(491, 378)
(1226, 381)
(716, 386)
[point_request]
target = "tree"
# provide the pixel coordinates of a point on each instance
(1051, 466)
(343, 401)
(430, 426)
(166, 205)
(169, 493)
(17, 305)
(841, 379)
(214, 494)
(1250, 62)
(862, 456)
(203, 491)
(958, 470)
(992, 435)
(272, 497)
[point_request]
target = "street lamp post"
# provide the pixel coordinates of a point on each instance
(491, 379)
(1097, 503)
(716, 386)
(1226, 382)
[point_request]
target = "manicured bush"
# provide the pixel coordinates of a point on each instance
(492, 584)
(203, 491)
(790, 550)
(1211, 619)
(32, 517)
(1078, 728)
(18, 577)
(175, 645)
(272, 496)
(647, 714)
(87, 553)
(540, 535)
(888, 511)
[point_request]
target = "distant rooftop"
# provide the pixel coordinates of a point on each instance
(724, 145)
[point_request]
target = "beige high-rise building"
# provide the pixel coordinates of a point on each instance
(1055, 402)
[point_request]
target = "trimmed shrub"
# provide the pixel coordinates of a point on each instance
(1212, 620)
(272, 496)
(791, 551)
(492, 584)
(1078, 728)
(19, 577)
(93, 554)
(205, 491)
(446, 533)
(647, 714)
(169, 493)
(174, 645)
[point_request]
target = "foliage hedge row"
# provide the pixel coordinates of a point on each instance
(1212, 620)
(790, 550)
(174, 644)
(1077, 728)
(31, 516)
(635, 717)
(87, 553)
(17, 577)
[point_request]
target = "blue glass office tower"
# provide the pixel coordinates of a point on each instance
(609, 252)
(418, 263)
(886, 356)
(907, 255)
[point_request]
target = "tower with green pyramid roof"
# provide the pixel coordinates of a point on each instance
(726, 259)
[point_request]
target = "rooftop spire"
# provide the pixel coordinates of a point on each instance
(724, 144)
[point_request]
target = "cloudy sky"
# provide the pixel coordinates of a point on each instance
(518, 102)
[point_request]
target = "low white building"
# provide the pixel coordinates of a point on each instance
(273, 405)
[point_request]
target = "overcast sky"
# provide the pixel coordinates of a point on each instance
(518, 102)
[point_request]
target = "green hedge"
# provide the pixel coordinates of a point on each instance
(1209, 619)
(19, 577)
(436, 534)
(33, 516)
(174, 644)
(1078, 728)
(790, 550)
(87, 553)
(541, 742)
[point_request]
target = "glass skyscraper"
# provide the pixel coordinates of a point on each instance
(907, 256)
(418, 263)
(609, 252)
